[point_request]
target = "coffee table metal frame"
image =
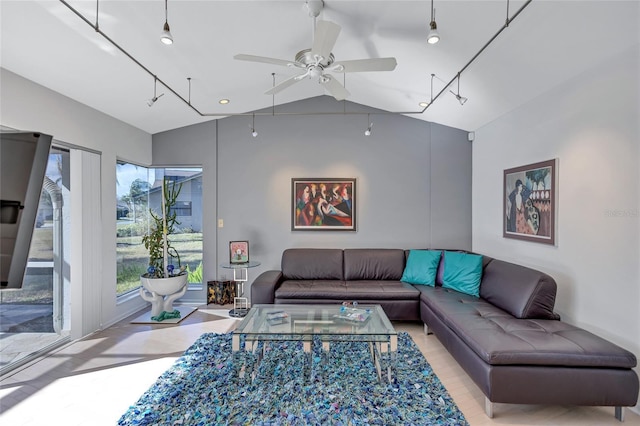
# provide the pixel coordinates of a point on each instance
(306, 321)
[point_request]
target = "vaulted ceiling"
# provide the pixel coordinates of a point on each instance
(548, 43)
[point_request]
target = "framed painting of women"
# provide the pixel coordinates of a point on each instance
(323, 204)
(530, 202)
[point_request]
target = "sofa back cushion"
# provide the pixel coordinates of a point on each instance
(521, 291)
(440, 274)
(421, 267)
(312, 264)
(373, 264)
(462, 272)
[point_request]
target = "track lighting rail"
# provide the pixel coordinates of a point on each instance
(273, 112)
(457, 76)
(127, 54)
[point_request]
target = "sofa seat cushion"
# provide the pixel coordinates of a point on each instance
(315, 289)
(500, 339)
(381, 290)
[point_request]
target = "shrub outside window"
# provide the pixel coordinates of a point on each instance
(138, 190)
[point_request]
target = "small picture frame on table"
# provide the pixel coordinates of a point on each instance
(238, 252)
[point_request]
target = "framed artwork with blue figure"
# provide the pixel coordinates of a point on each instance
(323, 204)
(530, 202)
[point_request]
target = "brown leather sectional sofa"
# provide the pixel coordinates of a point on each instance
(508, 340)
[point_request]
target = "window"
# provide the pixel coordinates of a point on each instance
(139, 190)
(182, 208)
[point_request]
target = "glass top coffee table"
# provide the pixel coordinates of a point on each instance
(323, 323)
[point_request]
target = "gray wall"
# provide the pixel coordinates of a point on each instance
(195, 146)
(413, 179)
(450, 166)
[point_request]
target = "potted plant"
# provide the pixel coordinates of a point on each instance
(164, 282)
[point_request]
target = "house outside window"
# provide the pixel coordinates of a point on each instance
(139, 189)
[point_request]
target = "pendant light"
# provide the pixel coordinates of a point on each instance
(368, 131)
(254, 132)
(433, 37)
(166, 36)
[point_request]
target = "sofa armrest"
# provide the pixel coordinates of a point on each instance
(521, 291)
(263, 288)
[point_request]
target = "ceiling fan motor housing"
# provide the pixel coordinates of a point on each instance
(307, 58)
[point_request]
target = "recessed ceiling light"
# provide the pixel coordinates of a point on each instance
(223, 101)
(423, 104)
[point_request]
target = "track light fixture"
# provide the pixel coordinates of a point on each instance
(460, 99)
(153, 100)
(368, 131)
(166, 36)
(424, 105)
(432, 76)
(433, 36)
(254, 133)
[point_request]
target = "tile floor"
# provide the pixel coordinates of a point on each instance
(17, 346)
(93, 381)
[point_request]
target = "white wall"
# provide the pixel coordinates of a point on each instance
(591, 125)
(25, 105)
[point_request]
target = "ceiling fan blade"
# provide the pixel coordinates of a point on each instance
(325, 38)
(265, 60)
(334, 87)
(364, 65)
(283, 85)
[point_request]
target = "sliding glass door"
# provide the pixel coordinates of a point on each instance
(37, 316)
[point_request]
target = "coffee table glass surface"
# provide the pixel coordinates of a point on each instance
(366, 323)
(328, 323)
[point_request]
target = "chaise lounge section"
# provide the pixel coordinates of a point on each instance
(509, 340)
(516, 349)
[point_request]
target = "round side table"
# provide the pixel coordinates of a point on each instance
(240, 276)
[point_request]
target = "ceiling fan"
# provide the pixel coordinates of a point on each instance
(318, 62)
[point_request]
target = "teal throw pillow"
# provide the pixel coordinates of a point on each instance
(421, 267)
(462, 272)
